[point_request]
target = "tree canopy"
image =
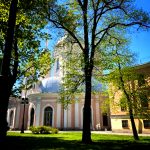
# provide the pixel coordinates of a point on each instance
(27, 52)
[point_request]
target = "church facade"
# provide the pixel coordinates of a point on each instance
(43, 107)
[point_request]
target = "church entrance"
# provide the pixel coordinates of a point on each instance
(48, 116)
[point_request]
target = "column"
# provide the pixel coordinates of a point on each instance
(58, 115)
(69, 116)
(65, 118)
(37, 112)
(76, 115)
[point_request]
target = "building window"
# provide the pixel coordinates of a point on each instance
(105, 119)
(144, 101)
(32, 117)
(11, 118)
(124, 123)
(57, 64)
(141, 80)
(123, 108)
(146, 123)
(48, 116)
(123, 104)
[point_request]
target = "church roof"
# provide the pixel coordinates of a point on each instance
(50, 85)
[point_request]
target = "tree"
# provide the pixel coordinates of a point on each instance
(21, 49)
(33, 69)
(132, 97)
(121, 76)
(4, 78)
(89, 23)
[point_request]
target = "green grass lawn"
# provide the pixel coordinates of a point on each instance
(72, 141)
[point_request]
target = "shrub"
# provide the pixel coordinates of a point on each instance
(54, 130)
(43, 130)
(34, 130)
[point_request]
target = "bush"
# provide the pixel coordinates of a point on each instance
(43, 130)
(34, 130)
(54, 130)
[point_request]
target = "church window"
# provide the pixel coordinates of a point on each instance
(32, 117)
(48, 116)
(11, 118)
(105, 119)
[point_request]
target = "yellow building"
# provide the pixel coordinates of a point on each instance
(120, 119)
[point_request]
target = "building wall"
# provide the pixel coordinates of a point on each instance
(118, 116)
(63, 119)
(117, 126)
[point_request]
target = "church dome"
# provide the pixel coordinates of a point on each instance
(50, 85)
(96, 85)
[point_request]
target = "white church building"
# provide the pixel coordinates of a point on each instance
(43, 107)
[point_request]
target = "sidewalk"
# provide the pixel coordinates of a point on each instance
(96, 132)
(117, 133)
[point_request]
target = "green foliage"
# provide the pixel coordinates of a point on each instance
(54, 130)
(32, 60)
(72, 66)
(34, 130)
(43, 130)
(31, 70)
(123, 79)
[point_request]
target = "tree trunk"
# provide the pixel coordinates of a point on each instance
(4, 98)
(86, 135)
(5, 78)
(134, 130)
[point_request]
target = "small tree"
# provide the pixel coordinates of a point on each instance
(122, 75)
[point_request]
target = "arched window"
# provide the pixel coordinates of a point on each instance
(11, 118)
(32, 117)
(105, 119)
(48, 116)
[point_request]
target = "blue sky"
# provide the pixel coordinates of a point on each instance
(140, 43)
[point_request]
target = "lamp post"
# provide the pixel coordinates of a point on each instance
(24, 102)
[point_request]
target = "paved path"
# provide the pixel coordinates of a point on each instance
(96, 132)
(116, 133)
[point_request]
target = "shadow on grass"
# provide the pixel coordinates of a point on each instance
(58, 143)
